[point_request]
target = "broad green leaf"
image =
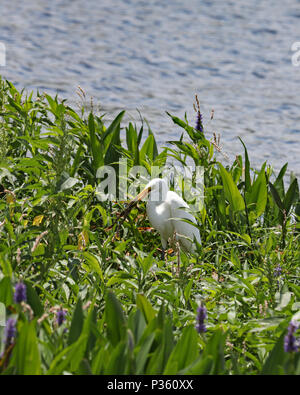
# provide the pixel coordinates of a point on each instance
(68, 184)
(26, 356)
(70, 357)
(76, 161)
(276, 196)
(194, 135)
(33, 299)
(185, 351)
(276, 358)
(291, 196)
(76, 323)
(6, 291)
(279, 183)
(113, 126)
(93, 263)
(147, 262)
(155, 150)
(144, 305)
(95, 143)
(131, 138)
(5, 263)
(211, 360)
(247, 168)
(147, 149)
(112, 153)
(118, 360)
(115, 319)
(143, 352)
(257, 197)
(187, 290)
(231, 191)
(137, 324)
(164, 348)
(2, 314)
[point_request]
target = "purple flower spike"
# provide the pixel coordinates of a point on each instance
(201, 315)
(20, 293)
(199, 125)
(278, 270)
(10, 331)
(60, 317)
(290, 341)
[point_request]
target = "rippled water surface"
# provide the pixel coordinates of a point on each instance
(156, 55)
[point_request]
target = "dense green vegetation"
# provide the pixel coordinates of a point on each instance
(99, 299)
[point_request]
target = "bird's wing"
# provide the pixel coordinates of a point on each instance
(178, 207)
(180, 210)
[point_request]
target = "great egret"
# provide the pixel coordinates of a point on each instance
(167, 213)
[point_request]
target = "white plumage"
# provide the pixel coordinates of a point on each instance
(166, 211)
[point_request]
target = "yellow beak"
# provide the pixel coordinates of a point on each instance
(139, 197)
(134, 201)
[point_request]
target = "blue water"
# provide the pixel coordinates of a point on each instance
(156, 55)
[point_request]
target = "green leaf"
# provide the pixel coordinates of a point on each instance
(155, 150)
(76, 323)
(143, 352)
(147, 262)
(118, 360)
(231, 191)
(115, 319)
(187, 290)
(112, 154)
(2, 314)
(257, 196)
(76, 161)
(185, 351)
(148, 149)
(144, 305)
(279, 183)
(276, 196)
(247, 169)
(70, 357)
(25, 356)
(6, 291)
(33, 300)
(69, 183)
(95, 144)
(4, 262)
(131, 138)
(137, 324)
(113, 126)
(276, 358)
(211, 360)
(164, 348)
(291, 195)
(194, 135)
(93, 263)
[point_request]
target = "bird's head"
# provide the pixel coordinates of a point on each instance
(158, 188)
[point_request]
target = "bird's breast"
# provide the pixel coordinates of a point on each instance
(159, 217)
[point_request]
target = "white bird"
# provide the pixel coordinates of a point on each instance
(167, 213)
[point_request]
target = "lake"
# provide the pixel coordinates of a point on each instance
(155, 56)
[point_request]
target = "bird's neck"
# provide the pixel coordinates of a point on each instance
(157, 197)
